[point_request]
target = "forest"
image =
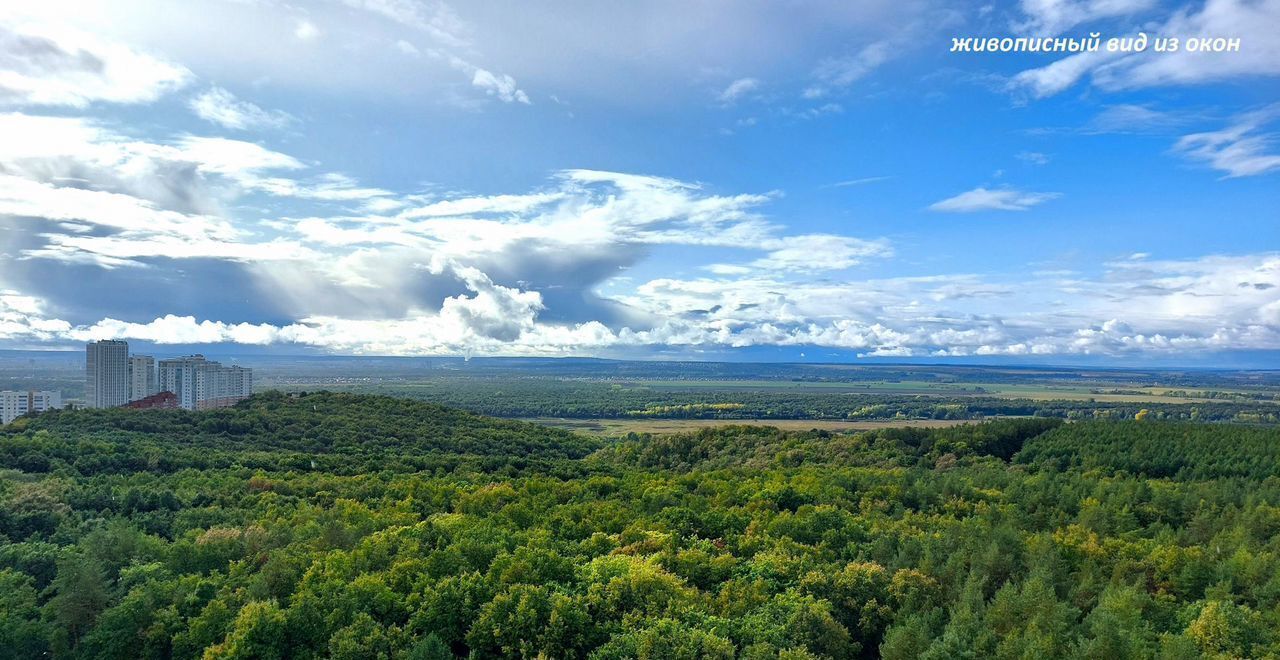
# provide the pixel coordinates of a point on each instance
(329, 525)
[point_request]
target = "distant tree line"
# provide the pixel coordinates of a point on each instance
(544, 397)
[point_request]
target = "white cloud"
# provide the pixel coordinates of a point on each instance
(984, 199)
(306, 30)
(233, 157)
(172, 329)
(435, 18)
(738, 88)
(25, 198)
(1052, 17)
(1136, 306)
(613, 61)
(43, 66)
(820, 111)
(115, 201)
(1240, 149)
(859, 182)
(495, 204)
(1251, 21)
(1033, 157)
(407, 48)
(1053, 78)
(499, 85)
(1133, 118)
(221, 107)
(188, 174)
(819, 252)
(373, 271)
(844, 71)
(394, 255)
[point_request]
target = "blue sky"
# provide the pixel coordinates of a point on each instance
(415, 177)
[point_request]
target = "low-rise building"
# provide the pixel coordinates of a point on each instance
(158, 401)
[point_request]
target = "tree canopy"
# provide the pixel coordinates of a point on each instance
(343, 526)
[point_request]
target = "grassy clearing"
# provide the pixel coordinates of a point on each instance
(927, 388)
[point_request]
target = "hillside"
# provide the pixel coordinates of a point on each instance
(339, 433)
(337, 526)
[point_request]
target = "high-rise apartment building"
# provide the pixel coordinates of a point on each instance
(106, 370)
(16, 404)
(200, 383)
(142, 377)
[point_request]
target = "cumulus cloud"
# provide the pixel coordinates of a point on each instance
(178, 174)
(984, 199)
(1212, 303)
(500, 85)
(114, 201)
(221, 107)
(41, 66)
(518, 273)
(353, 268)
(484, 270)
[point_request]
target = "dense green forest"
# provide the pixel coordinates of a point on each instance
(545, 397)
(344, 526)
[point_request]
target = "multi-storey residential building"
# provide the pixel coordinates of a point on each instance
(106, 374)
(16, 404)
(142, 377)
(199, 383)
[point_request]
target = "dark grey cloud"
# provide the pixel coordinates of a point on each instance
(42, 56)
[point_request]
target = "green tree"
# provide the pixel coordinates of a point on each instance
(22, 632)
(79, 596)
(258, 632)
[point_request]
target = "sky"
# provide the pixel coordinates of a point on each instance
(813, 180)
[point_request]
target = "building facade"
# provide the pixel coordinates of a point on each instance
(106, 374)
(199, 384)
(16, 404)
(142, 377)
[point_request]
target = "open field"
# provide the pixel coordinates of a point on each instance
(424, 388)
(1036, 392)
(620, 427)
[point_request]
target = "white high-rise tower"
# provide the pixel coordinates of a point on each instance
(106, 371)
